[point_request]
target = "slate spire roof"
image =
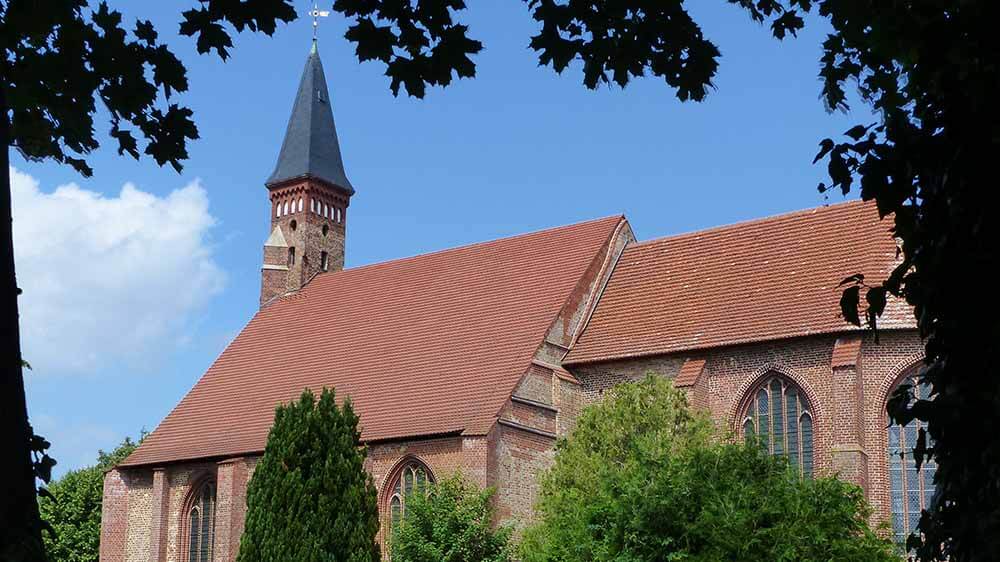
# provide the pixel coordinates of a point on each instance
(311, 148)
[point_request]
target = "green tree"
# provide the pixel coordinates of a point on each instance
(452, 522)
(931, 69)
(60, 64)
(72, 507)
(641, 478)
(310, 497)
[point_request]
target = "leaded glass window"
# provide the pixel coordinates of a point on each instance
(910, 489)
(780, 418)
(414, 477)
(201, 524)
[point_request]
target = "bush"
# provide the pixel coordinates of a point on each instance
(74, 508)
(310, 497)
(450, 523)
(642, 478)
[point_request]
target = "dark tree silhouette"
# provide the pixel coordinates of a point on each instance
(58, 62)
(930, 69)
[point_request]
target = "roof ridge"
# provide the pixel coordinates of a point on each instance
(481, 243)
(748, 222)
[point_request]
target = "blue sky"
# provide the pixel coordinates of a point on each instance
(131, 293)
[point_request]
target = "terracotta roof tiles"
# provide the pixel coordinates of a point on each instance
(426, 345)
(765, 279)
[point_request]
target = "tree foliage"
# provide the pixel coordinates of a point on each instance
(641, 478)
(72, 508)
(930, 69)
(61, 62)
(310, 497)
(452, 522)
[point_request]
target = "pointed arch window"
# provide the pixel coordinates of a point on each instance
(910, 490)
(201, 523)
(779, 416)
(413, 477)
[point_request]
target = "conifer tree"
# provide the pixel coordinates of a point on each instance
(310, 497)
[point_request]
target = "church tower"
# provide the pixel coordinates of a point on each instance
(309, 193)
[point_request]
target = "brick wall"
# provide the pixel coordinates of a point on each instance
(143, 512)
(520, 457)
(114, 517)
(847, 401)
(316, 222)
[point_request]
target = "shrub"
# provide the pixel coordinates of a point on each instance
(452, 522)
(643, 478)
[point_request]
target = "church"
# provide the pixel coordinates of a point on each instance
(478, 358)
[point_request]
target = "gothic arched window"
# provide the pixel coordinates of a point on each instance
(910, 489)
(780, 417)
(413, 476)
(201, 523)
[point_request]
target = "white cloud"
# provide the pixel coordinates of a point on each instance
(108, 280)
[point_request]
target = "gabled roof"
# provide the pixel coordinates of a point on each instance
(760, 280)
(427, 345)
(311, 148)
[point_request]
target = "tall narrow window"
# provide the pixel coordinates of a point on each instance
(201, 523)
(780, 418)
(324, 261)
(414, 477)
(291, 256)
(910, 489)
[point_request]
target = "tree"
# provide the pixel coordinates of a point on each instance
(453, 522)
(310, 497)
(930, 69)
(642, 478)
(73, 508)
(56, 64)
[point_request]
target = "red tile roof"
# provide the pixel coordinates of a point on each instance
(846, 351)
(425, 345)
(761, 280)
(689, 373)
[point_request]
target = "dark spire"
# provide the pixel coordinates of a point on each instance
(310, 148)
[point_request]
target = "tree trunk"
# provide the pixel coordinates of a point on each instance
(20, 531)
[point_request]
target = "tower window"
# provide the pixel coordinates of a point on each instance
(291, 256)
(277, 210)
(300, 204)
(293, 225)
(326, 229)
(324, 261)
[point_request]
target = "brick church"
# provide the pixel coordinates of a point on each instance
(476, 359)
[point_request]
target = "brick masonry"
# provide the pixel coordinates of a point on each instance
(847, 401)
(144, 508)
(312, 217)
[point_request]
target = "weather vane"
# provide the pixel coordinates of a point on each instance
(316, 13)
